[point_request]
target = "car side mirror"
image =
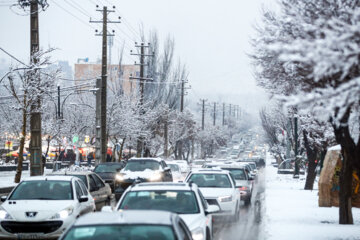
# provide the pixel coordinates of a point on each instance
(106, 209)
(167, 169)
(3, 198)
(83, 199)
(212, 209)
(118, 169)
(250, 178)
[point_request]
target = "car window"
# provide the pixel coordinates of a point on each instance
(78, 190)
(92, 184)
(43, 190)
(98, 182)
(211, 180)
(141, 165)
(232, 179)
(181, 202)
(83, 188)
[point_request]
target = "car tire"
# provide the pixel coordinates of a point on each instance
(208, 235)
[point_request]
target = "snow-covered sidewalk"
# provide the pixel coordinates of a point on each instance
(293, 213)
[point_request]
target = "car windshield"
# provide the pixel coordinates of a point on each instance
(141, 165)
(174, 167)
(181, 202)
(199, 162)
(121, 232)
(239, 174)
(43, 190)
(112, 168)
(210, 180)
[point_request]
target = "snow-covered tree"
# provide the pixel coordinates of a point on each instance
(312, 52)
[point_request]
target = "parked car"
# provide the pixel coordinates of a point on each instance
(107, 171)
(100, 191)
(144, 225)
(218, 188)
(43, 207)
(197, 163)
(181, 198)
(142, 170)
(175, 170)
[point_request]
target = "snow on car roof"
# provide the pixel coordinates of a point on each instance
(162, 186)
(126, 217)
(54, 177)
(63, 173)
(207, 170)
(153, 159)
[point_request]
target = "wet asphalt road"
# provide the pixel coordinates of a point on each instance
(249, 227)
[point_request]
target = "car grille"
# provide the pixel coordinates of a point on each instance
(31, 227)
(213, 202)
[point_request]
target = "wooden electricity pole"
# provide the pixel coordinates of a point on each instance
(100, 153)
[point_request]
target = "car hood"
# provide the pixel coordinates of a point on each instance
(45, 209)
(141, 174)
(193, 221)
(106, 175)
(216, 192)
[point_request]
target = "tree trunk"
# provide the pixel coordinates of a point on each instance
(166, 153)
(46, 153)
(349, 154)
(122, 148)
(312, 155)
(22, 143)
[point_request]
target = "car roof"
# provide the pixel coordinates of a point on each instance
(48, 177)
(163, 186)
(127, 217)
(207, 170)
(150, 159)
(70, 173)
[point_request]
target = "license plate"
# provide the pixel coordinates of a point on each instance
(30, 236)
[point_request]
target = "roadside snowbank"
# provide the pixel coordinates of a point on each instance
(293, 213)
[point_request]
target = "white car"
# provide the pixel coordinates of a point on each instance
(184, 166)
(182, 198)
(175, 170)
(219, 188)
(43, 207)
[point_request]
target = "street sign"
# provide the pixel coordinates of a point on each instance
(75, 139)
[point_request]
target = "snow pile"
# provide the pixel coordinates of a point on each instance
(293, 213)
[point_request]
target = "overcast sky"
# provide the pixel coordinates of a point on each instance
(211, 38)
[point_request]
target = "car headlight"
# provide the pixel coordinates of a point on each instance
(63, 213)
(4, 215)
(197, 234)
(120, 177)
(155, 177)
(225, 199)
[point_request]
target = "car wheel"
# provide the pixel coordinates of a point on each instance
(208, 235)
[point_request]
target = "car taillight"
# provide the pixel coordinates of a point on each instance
(243, 188)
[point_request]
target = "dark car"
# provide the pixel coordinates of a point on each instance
(107, 171)
(142, 170)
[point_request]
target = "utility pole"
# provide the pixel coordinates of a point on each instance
(35, 115)
(58, 105)
(142, 78)
(101, 101)
(214, 117)
(183, 93)
(223, 120)
(203, 114)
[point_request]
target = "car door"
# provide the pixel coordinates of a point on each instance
(81, 207)
(88, 204)
(101, 192)
(94, 191)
